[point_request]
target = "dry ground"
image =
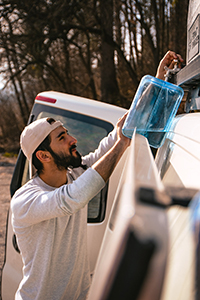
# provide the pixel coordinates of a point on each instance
(6, 170)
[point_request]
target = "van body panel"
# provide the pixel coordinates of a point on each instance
(130, 216)
(178, 161)
(97, 109)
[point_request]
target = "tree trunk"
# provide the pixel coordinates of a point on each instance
(109, 86)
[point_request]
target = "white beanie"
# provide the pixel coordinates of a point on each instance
(35, 133)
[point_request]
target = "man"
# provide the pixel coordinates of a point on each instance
(49, 213)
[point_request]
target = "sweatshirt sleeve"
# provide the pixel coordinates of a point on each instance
(104, 146)
(31, 204)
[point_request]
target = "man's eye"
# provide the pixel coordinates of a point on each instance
(61, 138)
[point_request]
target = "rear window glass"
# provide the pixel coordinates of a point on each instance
(87, 134)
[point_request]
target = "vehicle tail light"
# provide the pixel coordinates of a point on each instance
(45, 99)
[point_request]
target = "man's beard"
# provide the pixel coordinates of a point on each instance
(64, 161)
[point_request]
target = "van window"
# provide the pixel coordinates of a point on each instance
(89, 132)
(169, 174)
(174, 162)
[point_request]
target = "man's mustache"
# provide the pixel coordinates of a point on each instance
(71, 148)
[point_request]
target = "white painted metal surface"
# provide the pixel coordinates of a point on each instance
(178, 160)
(178, 163)
(89, 107)
(146, 221)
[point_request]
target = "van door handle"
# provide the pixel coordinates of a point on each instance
(15, 245)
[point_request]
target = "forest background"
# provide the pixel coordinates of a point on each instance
(98, 49)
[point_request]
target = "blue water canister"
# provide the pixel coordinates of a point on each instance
(153, 108)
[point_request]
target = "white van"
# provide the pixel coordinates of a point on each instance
(136, 236)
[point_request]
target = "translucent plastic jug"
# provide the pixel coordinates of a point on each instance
(153, 108)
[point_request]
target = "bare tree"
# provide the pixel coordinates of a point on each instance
(94, 48)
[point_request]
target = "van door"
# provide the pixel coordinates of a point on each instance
(133, 255)
(178, 162)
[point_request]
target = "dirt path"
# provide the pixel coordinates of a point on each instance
(6, 170)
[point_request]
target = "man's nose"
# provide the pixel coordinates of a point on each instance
(73, 140)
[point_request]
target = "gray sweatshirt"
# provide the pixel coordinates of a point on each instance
(51, 228)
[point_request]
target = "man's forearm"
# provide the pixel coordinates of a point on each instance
(106, 164)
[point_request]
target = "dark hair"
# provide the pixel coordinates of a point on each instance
(44, 146)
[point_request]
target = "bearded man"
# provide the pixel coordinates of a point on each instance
(49, 212)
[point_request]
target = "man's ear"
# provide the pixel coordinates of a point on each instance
(43, 156)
